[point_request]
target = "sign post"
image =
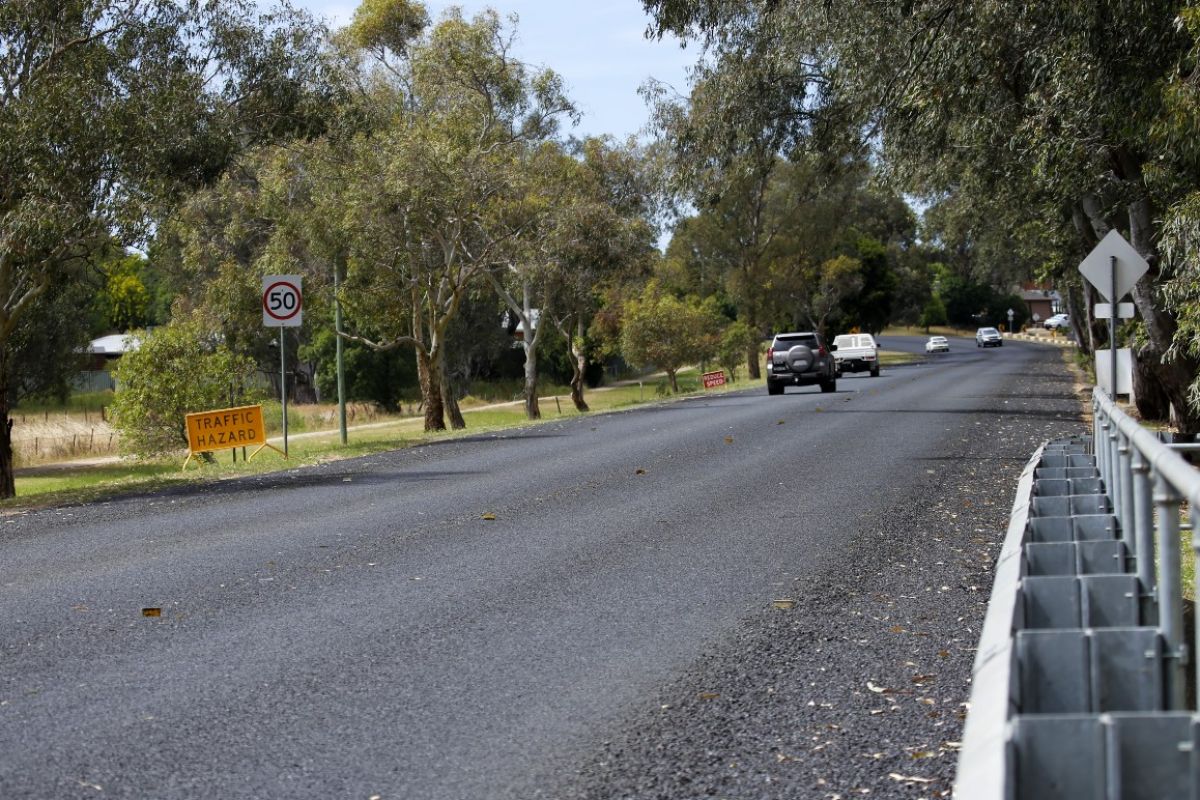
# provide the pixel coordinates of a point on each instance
(1011, 313)
(1113, 267)
(283, 307)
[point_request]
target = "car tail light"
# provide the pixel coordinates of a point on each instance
(770, 354)
(822, 351)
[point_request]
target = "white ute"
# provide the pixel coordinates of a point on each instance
(856, 352)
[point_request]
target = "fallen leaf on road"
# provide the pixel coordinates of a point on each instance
(910, 778)
(489, 516)
(728, 440)
(639, 471)
(151, 612)
(781, 422)
(784, 603)
(877, 689)
(709, 695)
(896, 629)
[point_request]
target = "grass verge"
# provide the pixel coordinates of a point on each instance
(85, 483)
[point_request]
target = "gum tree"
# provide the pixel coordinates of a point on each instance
(107, 108)
(430, 184)
(1063, 109)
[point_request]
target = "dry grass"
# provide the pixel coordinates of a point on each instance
(324, 416)
(48, 437)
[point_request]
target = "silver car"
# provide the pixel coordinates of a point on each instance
(988, 337)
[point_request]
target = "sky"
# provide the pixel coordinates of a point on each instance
(599, 47)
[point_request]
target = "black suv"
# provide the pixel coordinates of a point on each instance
(799, 359)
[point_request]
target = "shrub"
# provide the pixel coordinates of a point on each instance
(177, 370)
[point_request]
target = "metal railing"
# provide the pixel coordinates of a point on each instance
(1148, 483)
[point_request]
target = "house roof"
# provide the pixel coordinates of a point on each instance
(115, 344)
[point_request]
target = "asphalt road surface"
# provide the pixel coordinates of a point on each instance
(732, 596)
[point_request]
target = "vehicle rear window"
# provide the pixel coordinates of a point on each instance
(844, 341)
(791, 341)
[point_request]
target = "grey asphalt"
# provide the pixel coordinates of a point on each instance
(360, 629)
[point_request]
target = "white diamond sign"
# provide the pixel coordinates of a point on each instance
(1098, 266)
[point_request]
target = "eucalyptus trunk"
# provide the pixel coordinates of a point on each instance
(8, 486)
(429, 374)
(450, 399)
(578, 366)
(1078, 317)
(752, 367)
(1148, 395)
(532, 410)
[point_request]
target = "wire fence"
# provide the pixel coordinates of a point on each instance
(38, 449)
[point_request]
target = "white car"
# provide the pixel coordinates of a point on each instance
(856, 352)
(937, 344)
(1057, 321)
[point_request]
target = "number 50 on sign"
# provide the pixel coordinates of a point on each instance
(282, 303)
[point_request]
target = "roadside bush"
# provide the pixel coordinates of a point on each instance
(736, 341)
(178, 369)
(663, 331)
(934, 313)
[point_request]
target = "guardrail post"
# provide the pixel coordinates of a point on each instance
(1170, 591)
(1125, 486)
(1143, 520)
(1103, 454)
(1114, 474)
(1193, 502)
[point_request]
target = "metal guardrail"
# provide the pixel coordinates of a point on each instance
(1079, 683)
(1148, 482)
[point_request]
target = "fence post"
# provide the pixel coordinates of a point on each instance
(1143, 521)
(1170, 591)
(1114, 473)
(1102, 453)
(1124, 460)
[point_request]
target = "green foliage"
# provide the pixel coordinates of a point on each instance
(124, 301)
(388, 25)
(870, 309)
(1033, 128)
(736, 340)
(109, 112)
(384, 377)
(999, 311)
(968, 304)
(663, 331)
(934, 313)
(178, 369)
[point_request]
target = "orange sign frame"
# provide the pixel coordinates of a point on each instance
(226, 429)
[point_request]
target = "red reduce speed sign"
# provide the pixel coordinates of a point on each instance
(282, 302)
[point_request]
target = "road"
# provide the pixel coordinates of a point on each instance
(365, 629)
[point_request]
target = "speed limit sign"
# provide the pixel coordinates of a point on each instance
(282, 303)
